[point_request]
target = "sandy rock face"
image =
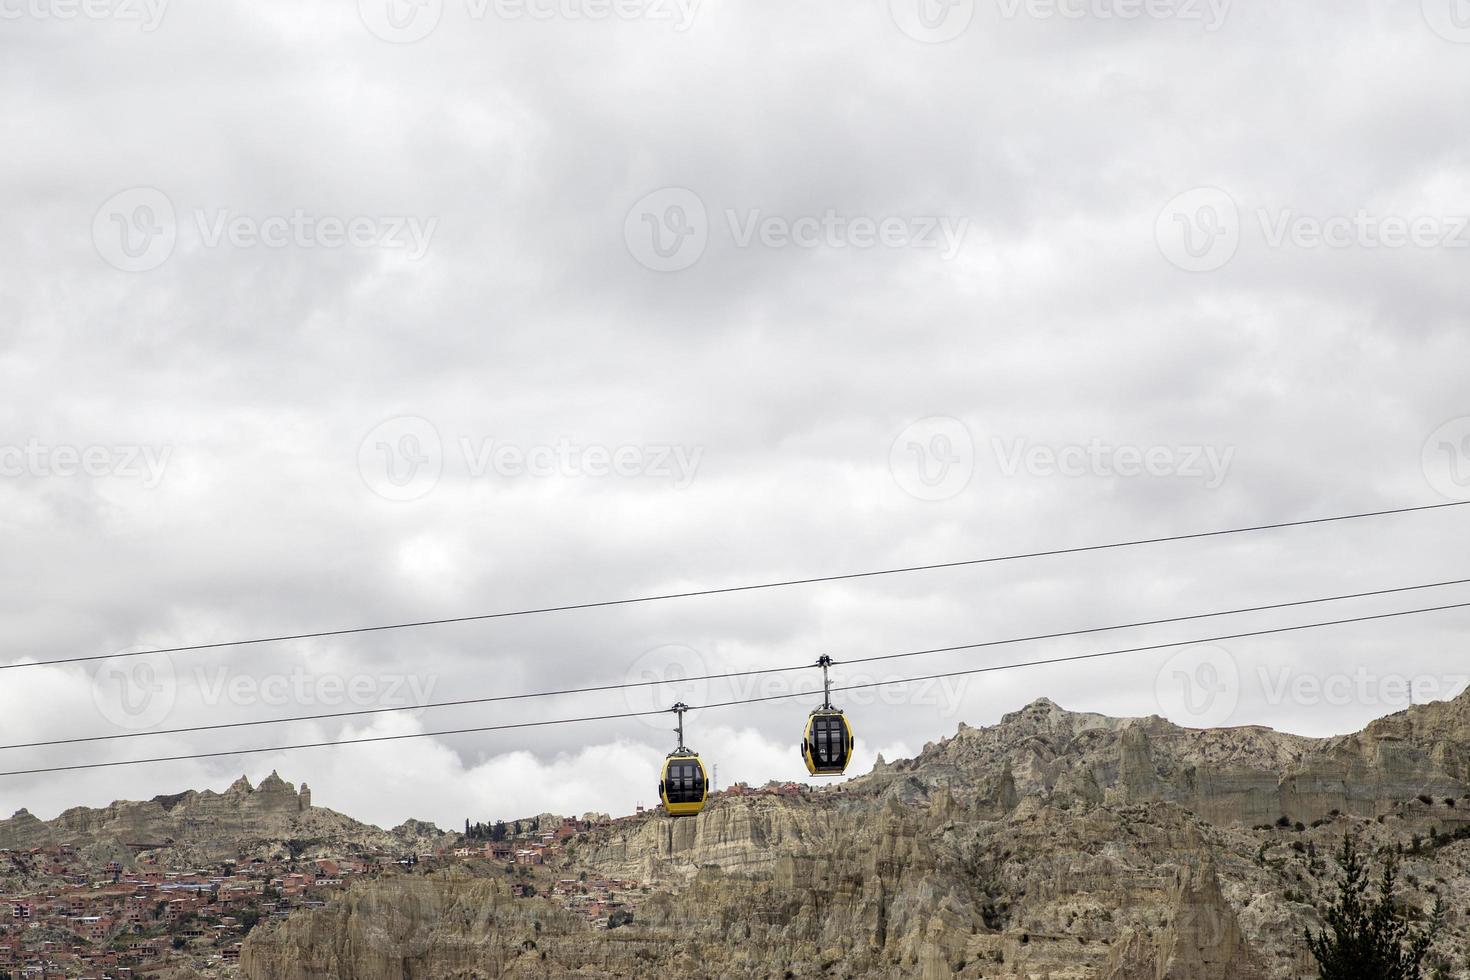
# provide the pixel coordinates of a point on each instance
(1201, 941)
(1053, 845)
(208, 826)
(1248, 775)
(444, 927)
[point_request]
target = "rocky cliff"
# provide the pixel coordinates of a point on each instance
(1247, 775)
(207, 826)
(452, 925)
(1052, 845)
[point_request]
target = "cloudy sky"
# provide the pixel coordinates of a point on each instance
(316, 316)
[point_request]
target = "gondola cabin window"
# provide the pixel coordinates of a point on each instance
(831, 741)
(685, 782)
(827, 743)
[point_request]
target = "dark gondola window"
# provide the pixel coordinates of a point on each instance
(830, 736)
(685, 782)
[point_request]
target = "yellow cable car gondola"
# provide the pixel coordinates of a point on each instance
(828, 743)
(685, 784)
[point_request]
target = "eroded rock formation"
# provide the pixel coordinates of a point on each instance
(1053, 845)
(207, 826)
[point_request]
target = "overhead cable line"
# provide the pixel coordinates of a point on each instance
(463, 702)
(896, 682)
(726, 590)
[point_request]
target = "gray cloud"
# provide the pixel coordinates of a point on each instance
(1060, 323)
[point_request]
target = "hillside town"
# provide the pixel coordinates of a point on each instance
(63, 917)
(64, 914)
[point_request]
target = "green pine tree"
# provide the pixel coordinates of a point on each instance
(1370, 938)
